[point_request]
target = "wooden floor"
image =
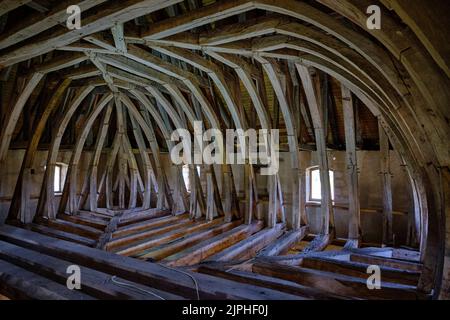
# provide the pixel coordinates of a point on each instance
(173, 257)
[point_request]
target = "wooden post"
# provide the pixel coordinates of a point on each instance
(354, 227)
(386, 185)
(317, 119)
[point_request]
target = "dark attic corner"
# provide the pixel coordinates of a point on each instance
(224, 150)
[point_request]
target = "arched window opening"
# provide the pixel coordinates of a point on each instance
(59, 178)
(186, 176)
(314, 185)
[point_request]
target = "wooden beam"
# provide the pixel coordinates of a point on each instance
(317, 118)
(284, 243)
(354, 226)
(386, 185)
(39, 22)
(104, 18)
(9, 5)
(20, 204)
(101, 137)
(248, 248)
(202, 250)
(145, 273)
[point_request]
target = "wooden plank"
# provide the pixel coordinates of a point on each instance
(100, 225)
(249, 247)
(336, 283)
(146, 225)
(165, 250)
(146, 234)
(63, 235)
(203, 250)
(154, 275)
(387, 262)
(70, 227)
(269, 282)
(284, 243)
(142, 216)
(95, 283)
(166, 237)
(359, 270)
(20, 284)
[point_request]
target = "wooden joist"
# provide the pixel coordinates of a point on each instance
(153, 232)
(281, 245)
(171, 248)
(133, 248)
(359, 270)
(94, 283)
(145, 225)
(67, 226)
(145, 273)
(268, 282)
(20, 284)
(105, 17)
(336, 283)
(100, 225)
(248, 248)
(387, 262)
(204, 249)
(63, 235)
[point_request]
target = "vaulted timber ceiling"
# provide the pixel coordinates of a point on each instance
(138, 69)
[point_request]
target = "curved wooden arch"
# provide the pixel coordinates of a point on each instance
(70, 185)
(46, 199)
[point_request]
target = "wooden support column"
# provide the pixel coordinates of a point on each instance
(122, 152)
(13, 116)
(108, 171)
(103, 131)
(386, 185)
(354, 226)
(148, 168)
(70, 186)
(20, 203)
(317, 118)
